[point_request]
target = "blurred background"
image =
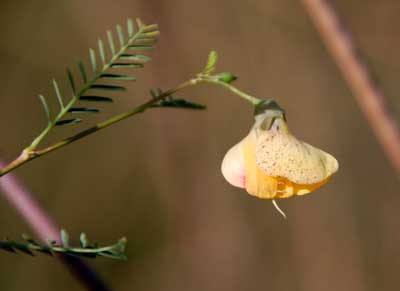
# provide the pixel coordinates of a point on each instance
(155, 178)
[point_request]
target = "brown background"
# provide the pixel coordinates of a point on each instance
(156, 179)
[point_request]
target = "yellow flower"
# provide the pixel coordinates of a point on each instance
(271, 163)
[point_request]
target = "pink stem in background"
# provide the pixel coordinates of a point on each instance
(45, 228)
(368, 94)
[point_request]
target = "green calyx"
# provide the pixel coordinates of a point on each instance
(269, 105)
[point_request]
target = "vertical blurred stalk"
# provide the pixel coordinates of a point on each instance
(370, 97)
(45, 228)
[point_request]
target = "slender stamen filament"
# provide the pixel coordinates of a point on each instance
(279, 209)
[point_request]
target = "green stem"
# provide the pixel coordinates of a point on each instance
(212, 80)
(28, 154)
(115, 119)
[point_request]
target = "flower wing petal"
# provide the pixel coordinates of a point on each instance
(232, 167)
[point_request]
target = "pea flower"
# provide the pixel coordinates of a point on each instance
(272, 163)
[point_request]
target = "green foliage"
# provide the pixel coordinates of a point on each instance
(226, 77)
(85, 249)
(92, 98)
(104, 62)
(180, 103)
(173, 102)
(68, 121)
(211, 63)
(209, 69)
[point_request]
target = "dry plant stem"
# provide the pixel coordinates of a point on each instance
(45, 228)
(368, 94)
(28, 155)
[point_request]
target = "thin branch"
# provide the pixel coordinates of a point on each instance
(27, 155)
(370, 97)
(45, 228)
